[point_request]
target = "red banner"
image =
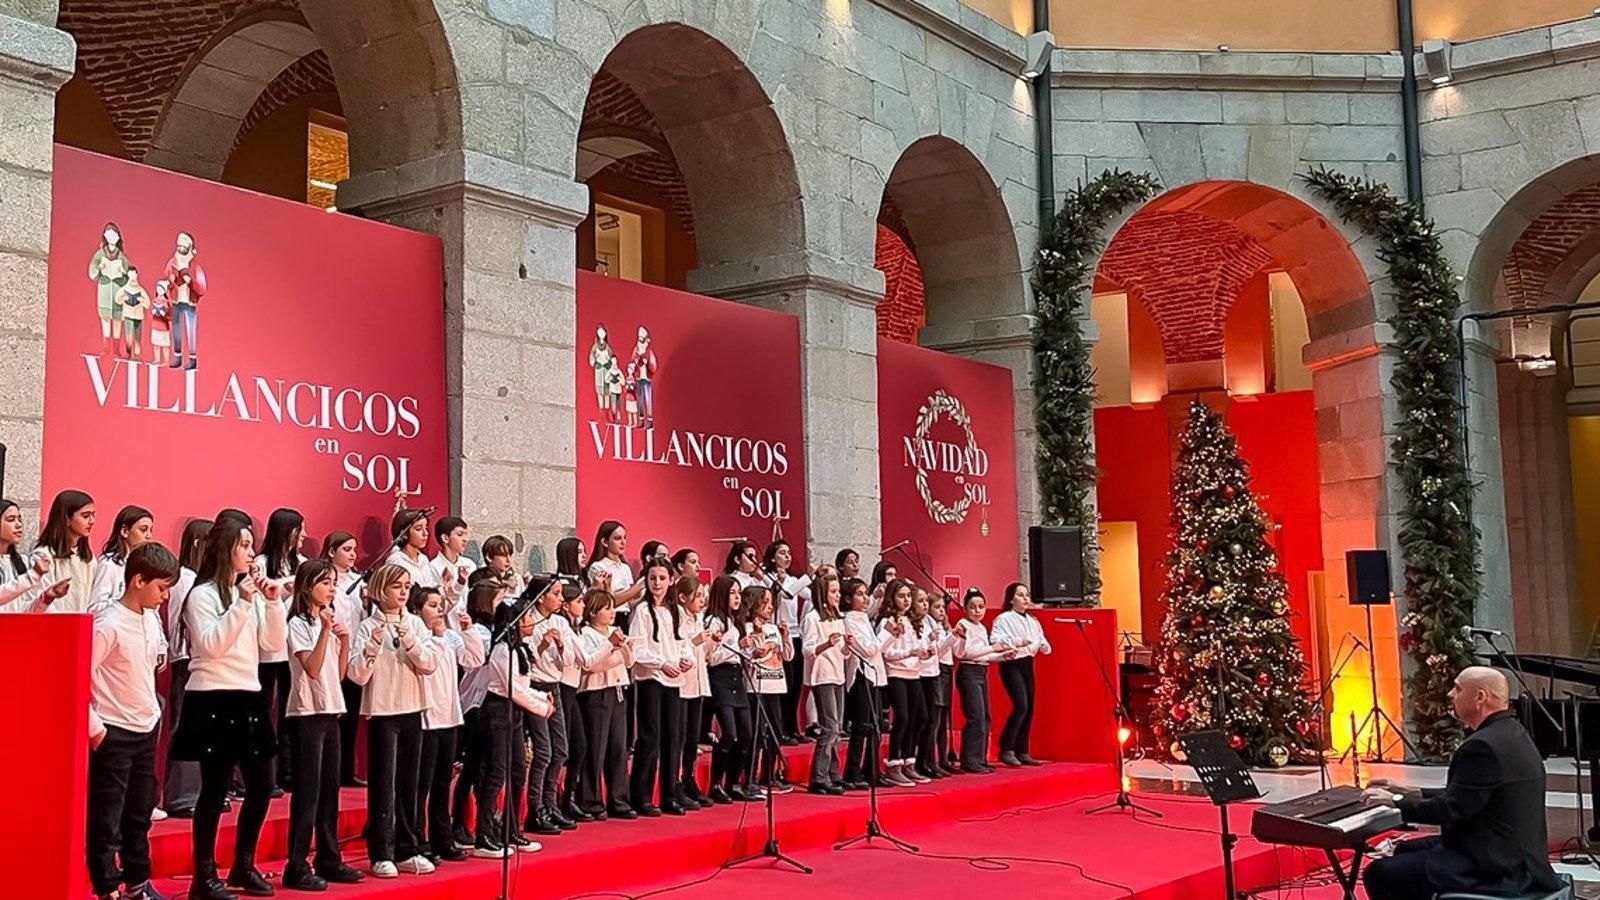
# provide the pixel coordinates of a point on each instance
(211, 347)
(948, 468)
(689, 422)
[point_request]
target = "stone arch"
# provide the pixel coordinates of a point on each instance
(1482, 288)
(717, 122)
(214, 94)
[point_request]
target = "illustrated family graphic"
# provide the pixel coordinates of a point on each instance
(625, 393)
(170, 307)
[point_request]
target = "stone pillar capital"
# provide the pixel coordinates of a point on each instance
(34, 55)
(465, 175)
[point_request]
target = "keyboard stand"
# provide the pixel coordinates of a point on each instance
(1347, 880)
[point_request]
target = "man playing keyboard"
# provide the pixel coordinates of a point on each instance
(1491, 811)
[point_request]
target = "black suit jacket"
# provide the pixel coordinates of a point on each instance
(1491, 814)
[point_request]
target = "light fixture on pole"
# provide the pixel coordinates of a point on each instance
(1036, 56)
(1436, 57)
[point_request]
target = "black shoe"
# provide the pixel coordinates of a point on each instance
(648, 811)
(431, 857)
(299, 877)
(227, 804)
(857, 785)
(146, 891)
(790, 740)
(577, 814)
(672, 809)
(246, 877)
(718, 795)
(451, 853)
(561, 821)
(462, 837)
(276, 792)
(736, 793)
(1010, 759)
(540, 824)
(621, 812)
(1027, 760)
(340, 874)
(521, 844)
(489, 848)
(182, 812)
(207, 886)
(754, 794)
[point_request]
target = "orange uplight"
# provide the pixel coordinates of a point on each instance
(1124, 734)
(1127, 784)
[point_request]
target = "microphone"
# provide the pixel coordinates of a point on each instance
(1469, 631)
(893, 547)
(730, 540)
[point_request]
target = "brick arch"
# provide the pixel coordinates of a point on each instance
(310, 74)
(1555, 255)
(953, 215)
(1530, 236)
(722, 136)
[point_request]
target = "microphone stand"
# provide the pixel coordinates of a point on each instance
(396, 544)
(1119, 714)
(527, 603)
(1577, 771)
(1320, 706)
(764, 730)
(874, 826)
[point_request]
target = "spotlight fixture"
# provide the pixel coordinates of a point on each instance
(1036, 57)
(1436, 56)
(1223, 48)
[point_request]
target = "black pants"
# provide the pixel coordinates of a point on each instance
(1017, 676)
(768, 727)
(859, 703)
(732, 753)
(928, 734)
(471, 753)
(500, 746)
(788, 723)
(973, 683)
(314, 802)
(216, 776)
(122, 792)
(549, 739)
(349, 725)
(905, 698)
(275, 689)
(394, 757)
(180, 786)
(942, 714)
(433, 787)
(690, 732)
(605, 726)
(1403, 876)
(659, 744)
(577, 745)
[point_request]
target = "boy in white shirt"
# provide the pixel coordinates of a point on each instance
(124, 713)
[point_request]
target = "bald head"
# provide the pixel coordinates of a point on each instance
(1479, 692)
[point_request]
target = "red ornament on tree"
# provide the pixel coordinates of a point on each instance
(1264, 680)
(1229, 492)
(1197, 621)
(1179, 712)
(1202, 545)
(1236, 742)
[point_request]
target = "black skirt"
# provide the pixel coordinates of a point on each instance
(224, 724)
(727, 686)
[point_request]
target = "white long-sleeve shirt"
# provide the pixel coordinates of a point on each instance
(826, 661)
(1014, 629)
(79, 596)
(938, 638)
(604, 665)
(225, 646)
(347, 604)
(392, 674)
(900, 657)
(318, 693)
(106, 585)
(452, 580)
(520, 688)
(696, 681)
(421, 570)
(789, 599)
(443, 696)
(122, 671)
(972, 646)
(17, 592)
(549, 664)
(868, 650)
(722, 653)
(656, 644)
(770, 653)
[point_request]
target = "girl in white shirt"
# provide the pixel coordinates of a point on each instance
(349, 607)
(280, 558)
(409, 529)
(19, 576)
(826, 643)
(453, 649)
(609, 568)
(773, 649)
(508, 694)
(577, 735)
(690, 595)
(660, 659)
(743, 564)
(320, 646)
(730, 696)
(483, 598)
(935, 682)
(553, 643)
(389, 656)
(66, 537)
(1018, 629)
(790, 590)
(133, 526)
(180, 787)
(863, 671)
(905, 647)
(975, 653)
(231, 616)
(604, 654)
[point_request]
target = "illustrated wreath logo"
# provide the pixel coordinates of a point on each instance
(942, 405)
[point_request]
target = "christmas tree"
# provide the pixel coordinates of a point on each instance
(1228, 659)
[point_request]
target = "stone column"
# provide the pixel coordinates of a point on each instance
(1494, 608)
(836, 305)
(510, 322)
(35, 60)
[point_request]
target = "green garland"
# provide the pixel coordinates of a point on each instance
(1437, 539)
(1063, 383)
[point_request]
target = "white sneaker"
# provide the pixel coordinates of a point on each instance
(384, 868)
(157, 814)
(528, 846)
(495, 852)
(416, 865)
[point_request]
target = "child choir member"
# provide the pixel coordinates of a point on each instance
(930, 753)
(826, 643)
(772, 650)
(320, 646)
(609, 567)
(508, 694)
(974, 654)
(904, 649)
(483, 599)
(605, 655)
(231, 617)
(19, 577)
(453, 649)
(132, 527)
(409, 529)
(690, 596)
(577, 735)
(65, 539)
(865, 675)
(124, 720)
(180, 788)
(660, 659)
(742, 563)
(280, 555)
(729, 696)
(553, 643)
(349, 607)
(1018, 629)
(789, 591)
(452, 566)
(389, 657)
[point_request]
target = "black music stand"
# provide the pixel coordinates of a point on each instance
(1226, 780)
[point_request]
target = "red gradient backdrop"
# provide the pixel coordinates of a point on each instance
(982, 548)
(321, 343)
(727, 448)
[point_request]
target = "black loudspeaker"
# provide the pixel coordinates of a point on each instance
(1368, 571)
(1055, 564)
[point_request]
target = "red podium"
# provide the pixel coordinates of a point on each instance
(44, 666)
(1074, 714)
